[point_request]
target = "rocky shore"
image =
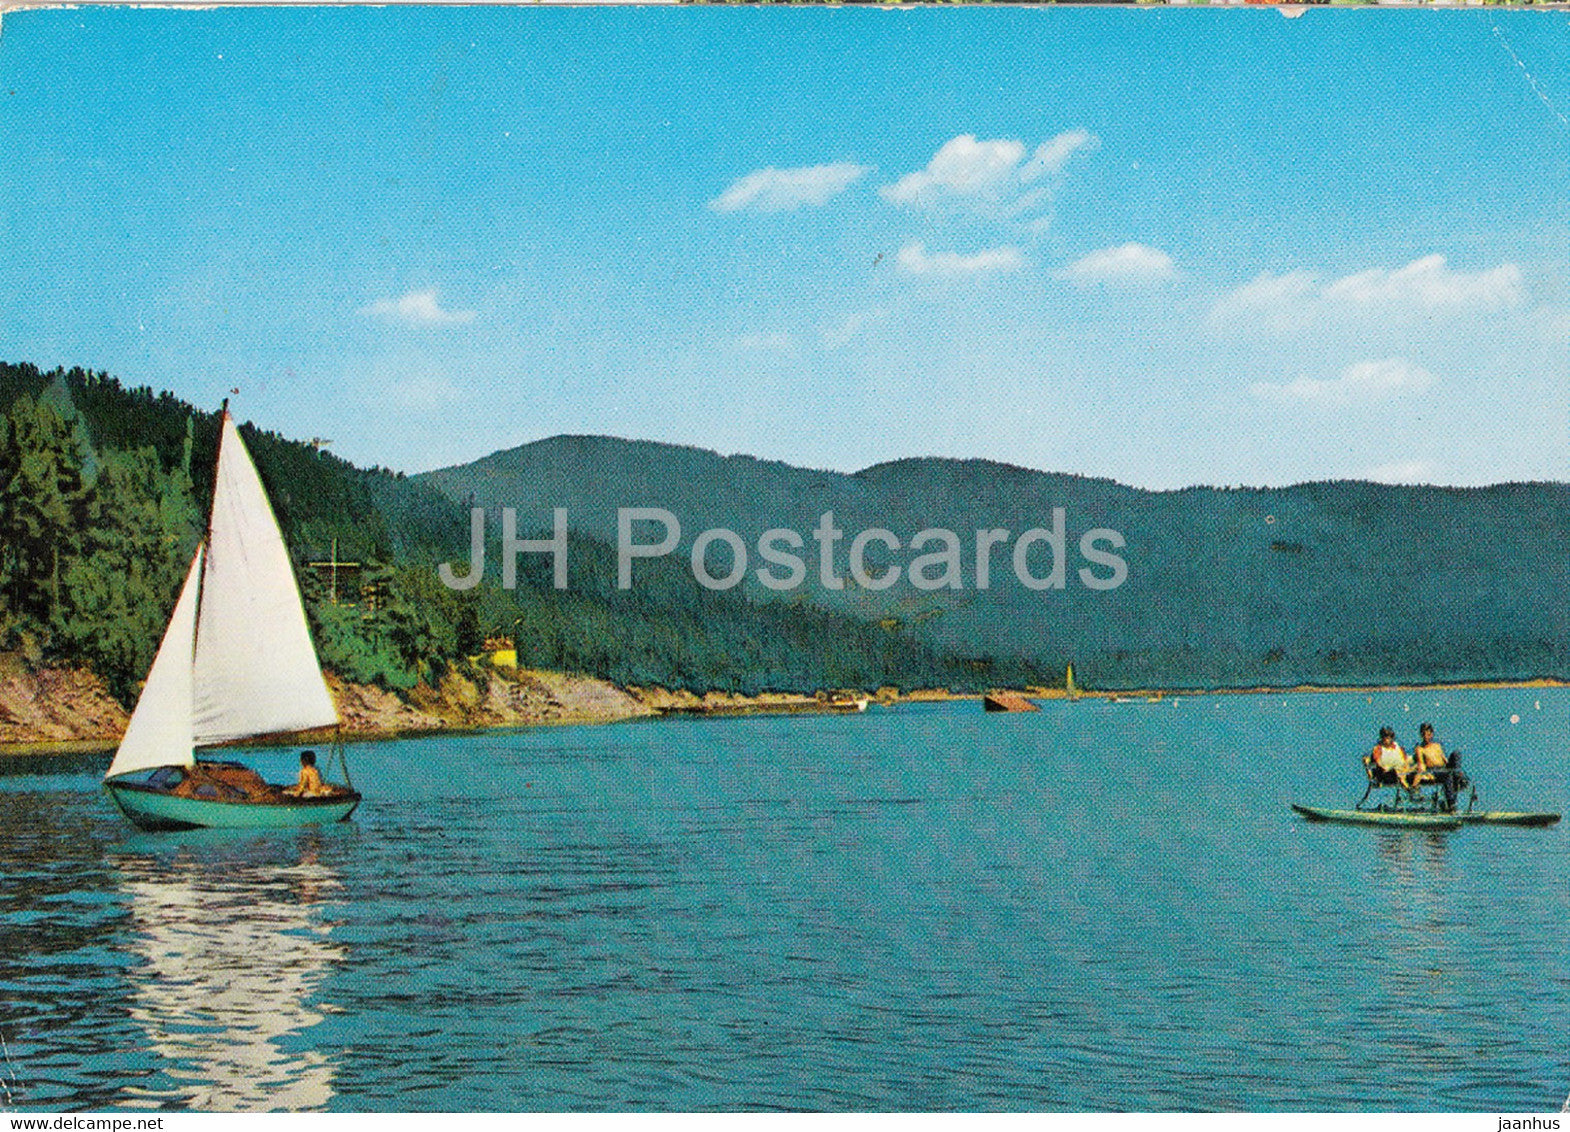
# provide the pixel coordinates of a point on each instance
(484, 698)
(65, 710)
(56, 705)
(69, 709)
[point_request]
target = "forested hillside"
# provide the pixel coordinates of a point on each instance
(103, 495)
(1346, 582)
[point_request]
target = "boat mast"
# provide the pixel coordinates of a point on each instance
(223, 415)
(207, 538)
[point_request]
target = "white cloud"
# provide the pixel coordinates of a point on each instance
(1297, 298)
(1052, 155)
(1127, 263)
(987, 175)
(782, 190)
(1428, 282)
(1358, 384)
(1401, 471)
(915, 259)
(1269, 292)
(418, 308)
(963, 166)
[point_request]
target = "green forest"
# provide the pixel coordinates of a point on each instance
(103, 497)
(104, 490)
(1339, 582)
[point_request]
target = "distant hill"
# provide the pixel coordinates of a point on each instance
(103, 489)
(1338, 582)
(1341, 581)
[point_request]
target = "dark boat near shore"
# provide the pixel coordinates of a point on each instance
(1007, 701)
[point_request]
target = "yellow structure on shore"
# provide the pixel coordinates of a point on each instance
(502, 652)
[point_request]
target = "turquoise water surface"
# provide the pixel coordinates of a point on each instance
(1100, 906)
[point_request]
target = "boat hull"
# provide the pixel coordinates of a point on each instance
(159, 810)
(1507, 817)
(1388, 818)
(1007, 701)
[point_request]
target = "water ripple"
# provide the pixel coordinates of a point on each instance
(1089, 909)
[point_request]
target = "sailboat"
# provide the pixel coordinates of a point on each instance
(236, 662)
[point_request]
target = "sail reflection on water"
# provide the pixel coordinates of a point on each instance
(233, 954)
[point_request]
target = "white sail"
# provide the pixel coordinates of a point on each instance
(256, 669)
(159, 733)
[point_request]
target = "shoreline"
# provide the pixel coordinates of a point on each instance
(657, 703)
(731, 709)
(1301, 689)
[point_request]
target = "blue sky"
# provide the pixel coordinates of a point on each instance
(1170, 246)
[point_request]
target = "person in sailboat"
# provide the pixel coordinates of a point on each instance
(310, 784)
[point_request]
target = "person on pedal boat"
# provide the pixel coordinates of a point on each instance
(1388, 756)
(1428, 756)
(1434, 766)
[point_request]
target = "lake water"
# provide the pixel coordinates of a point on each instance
(1100, 906)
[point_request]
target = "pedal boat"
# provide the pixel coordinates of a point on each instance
(1400, 819)
(1506, 817)
(1431, 808)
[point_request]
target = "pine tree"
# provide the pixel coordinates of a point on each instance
(142, 525)
(43, 512)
